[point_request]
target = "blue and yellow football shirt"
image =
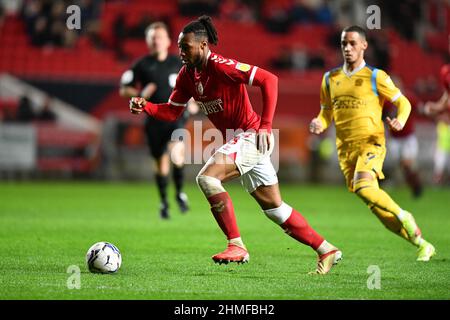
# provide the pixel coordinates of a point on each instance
(355, 102)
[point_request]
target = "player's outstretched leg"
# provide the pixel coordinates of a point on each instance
(296, 226)
(367, 189)
(390, 221)
(223, 211)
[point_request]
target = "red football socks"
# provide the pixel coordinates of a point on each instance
(298, 228)
(223, 211)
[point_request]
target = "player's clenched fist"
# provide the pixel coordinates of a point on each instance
(394, 124)
(137, 105)
(315, 126)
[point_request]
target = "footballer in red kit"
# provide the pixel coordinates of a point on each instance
(440, 111)
(403, 147)
(218, 84)
(441, 106)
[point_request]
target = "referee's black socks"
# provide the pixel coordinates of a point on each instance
(162, 182)
(178, 178)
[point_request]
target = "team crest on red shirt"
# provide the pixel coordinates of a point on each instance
(199, 88)
(243, 66)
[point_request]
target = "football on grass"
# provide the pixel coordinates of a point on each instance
(103, 257)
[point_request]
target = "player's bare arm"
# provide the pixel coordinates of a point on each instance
(148, 90)
(128, 91)
(132, 91)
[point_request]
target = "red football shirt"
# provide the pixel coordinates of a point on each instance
(445, 76)
(219, 90)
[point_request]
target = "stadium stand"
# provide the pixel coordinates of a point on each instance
(85, 61)
(101, 60)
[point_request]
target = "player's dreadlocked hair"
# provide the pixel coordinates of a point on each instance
(203, 27)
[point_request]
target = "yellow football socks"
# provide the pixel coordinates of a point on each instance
(391, 215)
(390, 221)
(370, 193)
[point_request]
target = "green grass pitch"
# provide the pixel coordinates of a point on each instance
(47, 227)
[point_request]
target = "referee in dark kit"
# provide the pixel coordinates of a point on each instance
(153, 78)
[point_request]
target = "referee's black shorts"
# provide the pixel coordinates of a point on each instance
(159, 134)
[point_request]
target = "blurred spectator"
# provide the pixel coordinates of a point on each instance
(276, 15)
(284, 59)
(56, 21)
(280, 15)
(238, 10)
(301, 13)
(120, 33)
(378, 53)
(119, 27)
(333, 39)
(45, 22)
(323, 14)
(2, 15)
(311, 11)
(198, 7)
(348, 12)
(30, 12)
(46, 114)
(90, 11)
(25, 111)
(138, 30)
(316, 60)
(39, 34)
(404, 15)
(298, 58)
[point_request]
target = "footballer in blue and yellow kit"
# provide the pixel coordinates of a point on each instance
(352, 96)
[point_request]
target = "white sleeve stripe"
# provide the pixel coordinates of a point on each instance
(252, 76)
(324, 107)
(398, 95)
(177, 104)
